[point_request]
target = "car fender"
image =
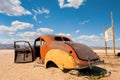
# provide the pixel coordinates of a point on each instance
(61, 58)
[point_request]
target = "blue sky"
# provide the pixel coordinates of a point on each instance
(82, 20)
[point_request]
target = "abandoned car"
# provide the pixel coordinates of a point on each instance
(56, 49)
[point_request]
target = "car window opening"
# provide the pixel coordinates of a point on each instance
(66, 39)
(58, 39)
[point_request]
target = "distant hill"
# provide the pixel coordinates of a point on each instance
(6, 46)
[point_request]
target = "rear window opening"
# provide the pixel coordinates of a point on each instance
(61, 39)
(66, 39)
(58, 39)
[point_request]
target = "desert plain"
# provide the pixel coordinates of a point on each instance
(9, 70)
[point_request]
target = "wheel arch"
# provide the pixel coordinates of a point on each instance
(61, 58)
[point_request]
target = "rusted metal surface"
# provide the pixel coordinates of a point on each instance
(83, 52)
(48, 42)
(23, 54)
(62, 51)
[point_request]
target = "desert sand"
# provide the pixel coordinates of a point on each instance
(34, 71)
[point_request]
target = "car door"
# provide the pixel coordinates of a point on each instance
(43, 48)
(23, 52)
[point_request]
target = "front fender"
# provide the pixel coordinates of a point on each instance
(61, 58)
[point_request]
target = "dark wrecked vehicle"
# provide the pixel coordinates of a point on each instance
(59, 50)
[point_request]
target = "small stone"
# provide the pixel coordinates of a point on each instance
(74, 72)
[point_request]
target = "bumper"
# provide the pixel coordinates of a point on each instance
(89, 64)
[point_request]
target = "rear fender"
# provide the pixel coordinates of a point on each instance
(61, 58)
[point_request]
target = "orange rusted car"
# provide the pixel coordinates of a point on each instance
(59, 50)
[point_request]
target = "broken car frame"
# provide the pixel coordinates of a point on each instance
(59, 50)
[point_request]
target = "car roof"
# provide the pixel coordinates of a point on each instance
(51, 37)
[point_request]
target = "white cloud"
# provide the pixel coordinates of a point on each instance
(101, 34)
(13, 8)
(77, 31)
(40, 11)
(91, 40)
(35, 17)
(21, 25)
(32, 35)
(7, 30)
(90, 37)
(70, 3)
(7, 41)
(15, 25)
(43, 11)
(118, 39)
(64, 34)
(47, 17)
(45, 30)
(39, 21)
(28, 34)
(85, 21)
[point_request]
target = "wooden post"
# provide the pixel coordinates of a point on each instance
(105, 43)
(113, 38)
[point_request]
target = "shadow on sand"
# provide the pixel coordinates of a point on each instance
(95, 73)
(92, 74)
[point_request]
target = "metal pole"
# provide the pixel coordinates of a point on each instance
(113, 38)
(105, 43)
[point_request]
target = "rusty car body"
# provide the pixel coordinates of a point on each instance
(61, 51)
